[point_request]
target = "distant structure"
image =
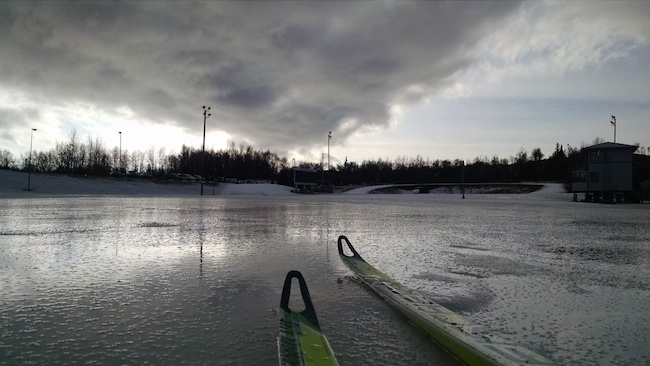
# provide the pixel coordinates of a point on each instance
(605, 172)
(304, 180)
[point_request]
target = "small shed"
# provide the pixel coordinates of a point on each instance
(305, 179)
(605, 172)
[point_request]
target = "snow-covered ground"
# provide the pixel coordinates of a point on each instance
(14, 184)
(364, 190)
(548, 191)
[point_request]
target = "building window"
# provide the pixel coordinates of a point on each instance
(593, 177)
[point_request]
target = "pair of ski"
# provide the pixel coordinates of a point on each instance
(301, 341)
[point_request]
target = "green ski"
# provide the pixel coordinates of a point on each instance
(470, 344)
(301, 341)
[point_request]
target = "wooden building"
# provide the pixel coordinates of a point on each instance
(604, 173)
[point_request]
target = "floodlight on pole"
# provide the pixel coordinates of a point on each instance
(29, 163)
(119, 163)
(329, 137)
(613, 122)
(206, 114)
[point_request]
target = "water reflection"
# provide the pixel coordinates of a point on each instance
(114, 280)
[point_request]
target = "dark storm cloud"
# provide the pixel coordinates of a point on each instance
(295, 37)
(249, 97)
(233, 85)
(280, 74)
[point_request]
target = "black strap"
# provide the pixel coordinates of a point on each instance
(354, 252)
(309, 311)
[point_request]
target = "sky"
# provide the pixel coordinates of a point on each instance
(388, 79)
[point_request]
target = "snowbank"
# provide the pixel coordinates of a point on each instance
(549, 190)
(365, 190)
(14, 184)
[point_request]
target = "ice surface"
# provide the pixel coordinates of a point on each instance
(165, 280)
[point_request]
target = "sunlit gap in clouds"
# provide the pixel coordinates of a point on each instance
(56, 122)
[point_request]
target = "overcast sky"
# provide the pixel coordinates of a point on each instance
(387, 78)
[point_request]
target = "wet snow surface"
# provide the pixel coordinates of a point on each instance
(197, 280)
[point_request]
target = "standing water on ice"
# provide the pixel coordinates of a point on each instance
(198, 280)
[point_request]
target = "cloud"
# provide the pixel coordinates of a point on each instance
(16, 118)
(278, 74)
(554, 38)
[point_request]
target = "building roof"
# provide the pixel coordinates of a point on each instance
(611, 145)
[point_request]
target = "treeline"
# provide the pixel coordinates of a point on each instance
(92, 157)
(521, 167)
(244, 163)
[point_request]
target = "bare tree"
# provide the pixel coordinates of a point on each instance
(45, 162)
(137, 161)
(68, 154)
(97, 158)
(151, 159)
(495, 160)
(537, 154)
(6, 159)
(522, 156)
(115, 158)
(162, 159)
(124, 160)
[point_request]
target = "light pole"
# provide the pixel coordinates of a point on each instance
(322, 164)
(119, 163)
(463, 189)
(205, 117)
(29, 163)
(613, 122)
(329, 137)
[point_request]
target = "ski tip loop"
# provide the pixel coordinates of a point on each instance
(309, 312)
(340, 244)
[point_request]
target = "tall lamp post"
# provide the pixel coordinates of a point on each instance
(205, 117)
(119, 163)
(29, 163)
(463, 189)
(329, 137)
(613, 122)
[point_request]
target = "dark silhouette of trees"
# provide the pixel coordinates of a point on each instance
(244, 163)
(521, 167)
(6, 159)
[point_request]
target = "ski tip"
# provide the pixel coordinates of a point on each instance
(342, 239)
(309, 312)
(301, 341)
